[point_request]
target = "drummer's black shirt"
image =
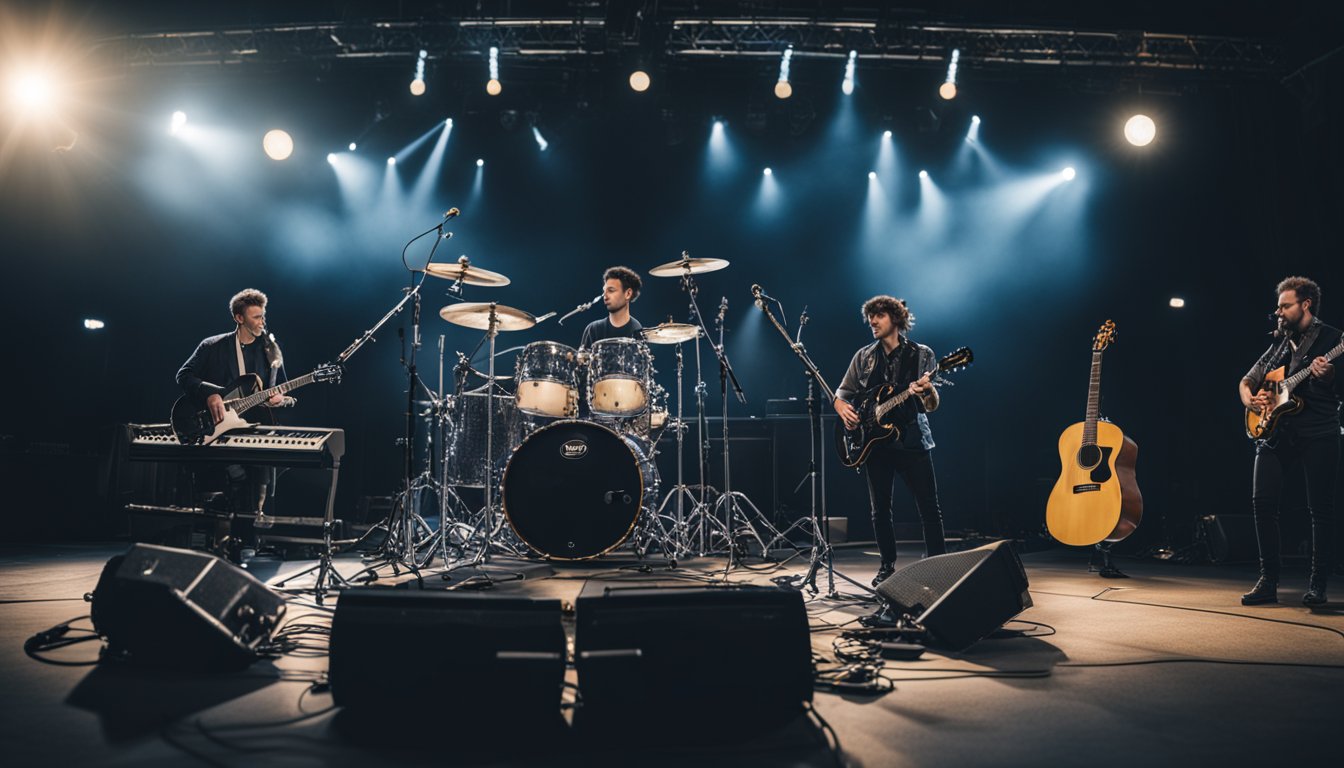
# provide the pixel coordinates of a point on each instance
(603, 329)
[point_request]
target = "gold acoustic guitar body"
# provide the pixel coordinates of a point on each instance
(1097, 497)
(1260, 424)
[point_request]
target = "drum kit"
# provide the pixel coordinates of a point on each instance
(563, 451)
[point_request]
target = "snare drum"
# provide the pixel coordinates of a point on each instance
(547, 376)
(619, 371)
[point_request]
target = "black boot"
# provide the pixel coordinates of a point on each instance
(884, 572)
(1266, 590)
(1315, 590)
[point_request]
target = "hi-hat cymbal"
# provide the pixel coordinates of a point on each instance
(687, 266)
(476, 314)
(462, 271)
(671, 333)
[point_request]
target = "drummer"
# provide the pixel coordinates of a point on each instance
(620, 287)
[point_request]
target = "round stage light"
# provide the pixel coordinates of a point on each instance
(768, 172)
(639, 80)
(1068, 173)
(1176, 302)
(493, 87)
(352, 146)
(1140, 130)
(480, 162)
(417, 87)
(391, 161)
(331, 158)
(33, 91)
(783, 90)
(948, 91)
(872, 175)
(278, 144)
(886, 134)
(923, 174)
(179, 120)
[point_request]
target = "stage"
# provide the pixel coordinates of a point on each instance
(1162, 668)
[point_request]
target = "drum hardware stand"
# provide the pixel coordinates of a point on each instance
(486, 530)
(820, 527)
(679, 541)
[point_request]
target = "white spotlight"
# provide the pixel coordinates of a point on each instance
(768, 172)
(352, 146)
(975, 119)
(278, 144)
(179, 120)
(418, 84)
(391, 161)
(94, 325)
(33, 90)
(886, 134)
(480, 162)
(847, 85)
(1068, 173)
(782, 88)
(872, 175)
(1177, 302)
(948, 90)
(448, 123)
(542, 143)
(1140, 130)
(493, 86)
(923, 174)
(417, 87)
(331, 158)
(639, 80)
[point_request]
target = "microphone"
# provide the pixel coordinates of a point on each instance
(451, 213)
(446, 236)
(585, 305)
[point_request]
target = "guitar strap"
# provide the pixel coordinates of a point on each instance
(238, 348)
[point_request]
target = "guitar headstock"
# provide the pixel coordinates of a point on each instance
(961, 358)
(328, 372)
(1105, 335)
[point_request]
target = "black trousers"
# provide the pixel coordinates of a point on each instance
(916, 469)
(1313, 462)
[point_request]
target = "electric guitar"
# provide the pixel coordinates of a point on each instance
(1096, 497)
(194, 425)
(881, 409)
(1260, 424)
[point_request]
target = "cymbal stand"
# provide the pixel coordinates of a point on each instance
(820, 527)
(449, 502)
(485, 532)
(678, 541)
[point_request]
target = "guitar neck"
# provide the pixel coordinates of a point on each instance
(1093, 401)
(251, 401)
(883, 409)
(1297, 378)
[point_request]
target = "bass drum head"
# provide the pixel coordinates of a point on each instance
(574, 489)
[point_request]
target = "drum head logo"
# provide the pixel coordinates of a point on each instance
(574, 449)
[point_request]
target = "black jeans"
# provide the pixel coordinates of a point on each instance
(916, 469)
(1312, 462)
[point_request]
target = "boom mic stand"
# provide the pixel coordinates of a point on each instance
(821, 528)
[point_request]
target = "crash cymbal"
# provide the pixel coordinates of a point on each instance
(476, 314)
(462, 271)
(687, 266)
(671, 333)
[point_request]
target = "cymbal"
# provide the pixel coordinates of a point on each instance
(687, 266)
(671, 333)
(463, 271)
(476, 314)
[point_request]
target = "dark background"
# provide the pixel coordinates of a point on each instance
(134, 227)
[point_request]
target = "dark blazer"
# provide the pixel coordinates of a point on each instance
(214, 364)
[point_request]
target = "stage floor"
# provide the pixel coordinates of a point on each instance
(1162, 668)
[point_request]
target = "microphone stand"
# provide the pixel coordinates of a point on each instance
(821, 529)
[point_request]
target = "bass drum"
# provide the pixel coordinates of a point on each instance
(575, 489)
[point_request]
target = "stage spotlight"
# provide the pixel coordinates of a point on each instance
(448, 123)
(948, 90)
(847, 85)
(94, 325)
(1068, 173)
(352, 146)
(542, 143)
(768, 172)
(331, 158)
(493, 86)
(886, 134)
(33, 91)
(480, 162)
(179, 120)
(391, 161)
(278, 144)
(1140, 130)
(975, 119)
(1176, 303)
(923, 174)
(418, 84)
(872, 175)
(639, 80)
(782, 88)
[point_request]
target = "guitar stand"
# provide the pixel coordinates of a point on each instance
(1106, 569)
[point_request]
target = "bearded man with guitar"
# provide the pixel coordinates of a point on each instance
(1296, 423)
(893, 359)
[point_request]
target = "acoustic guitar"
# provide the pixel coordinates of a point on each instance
(1096, 497)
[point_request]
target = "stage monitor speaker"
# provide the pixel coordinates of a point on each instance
(446, 653)
(707, 661)
(160, 606)
(961, 597)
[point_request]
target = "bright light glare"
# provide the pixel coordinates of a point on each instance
(278, 144)
(493, 87)
(872, 175)
(639, 80)
(847, 85)
(948, 91)
(1068, 173)
(480, 162)
(1177, 302)
(331, 158)
(391, 161)
(783, 90)
(542, 143)
(768, 172)
(886, 134)
(94, 325)
(448, 123)
(923, 174)
(33, 90)
(1140, 130)
(352, 146)
(179, 120)
(417, 87)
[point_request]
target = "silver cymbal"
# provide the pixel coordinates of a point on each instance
(476, 314)
(462, 271)
(687, 266)
(671, 333)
